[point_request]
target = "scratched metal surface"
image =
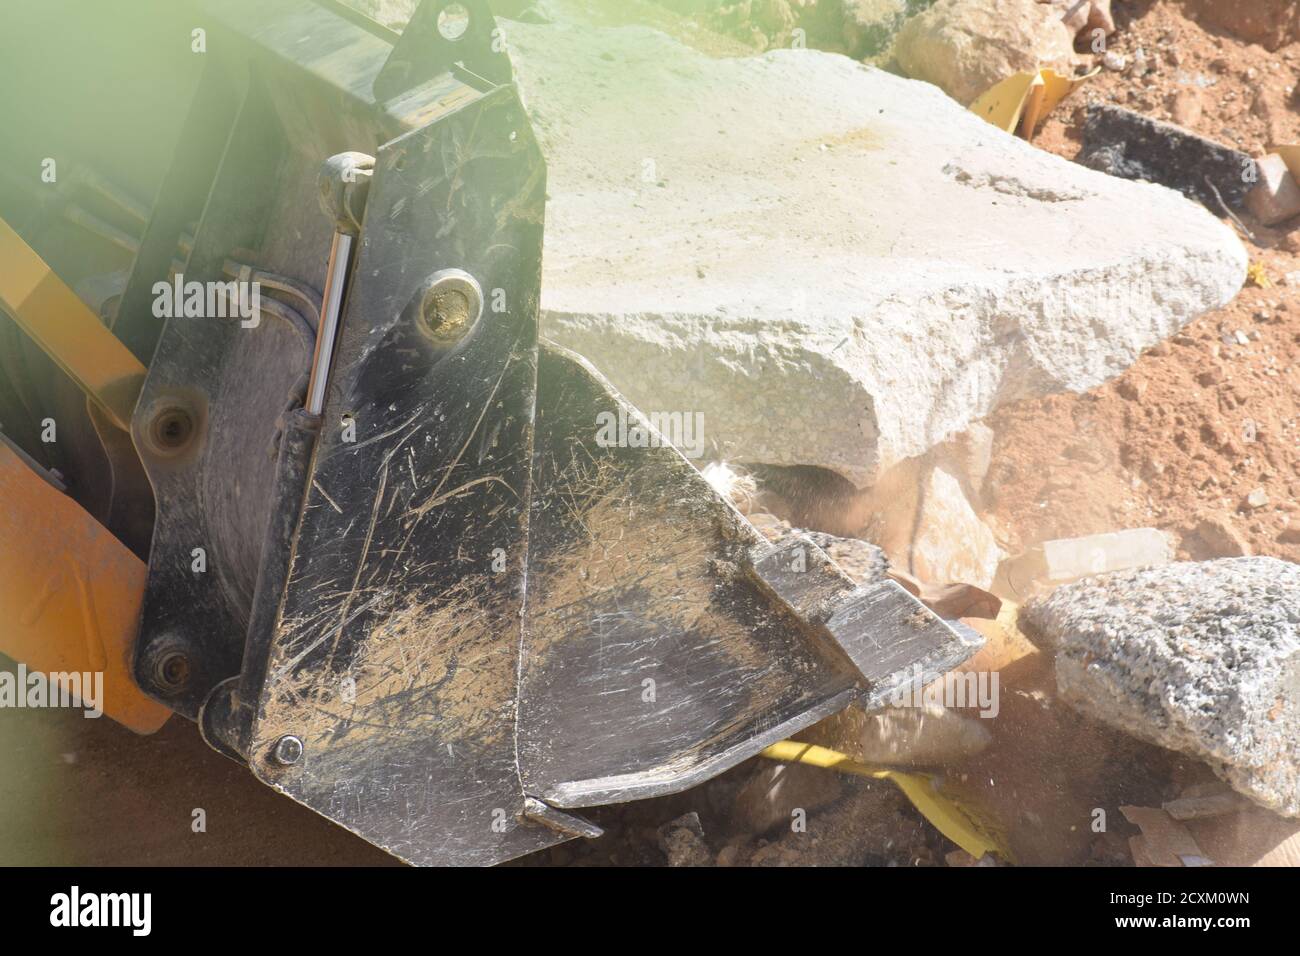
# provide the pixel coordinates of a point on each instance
(888, 637)
(234, 382)
(298, 103)
(652, 659)
(480, 595)
(393, 589)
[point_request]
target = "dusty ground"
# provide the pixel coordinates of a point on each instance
(83, 792)
(1182, 439)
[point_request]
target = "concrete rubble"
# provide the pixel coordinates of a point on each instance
(1276, 197)
(837, 266)
(842, 268)
(1200, 658)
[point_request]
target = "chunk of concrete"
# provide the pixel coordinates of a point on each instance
(922, 519)
(951, 543)
(1215, 536)
(1276, 196)
(1201, 658)
(837, 266)
(1058, 562)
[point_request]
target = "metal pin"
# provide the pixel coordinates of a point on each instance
(332, 302)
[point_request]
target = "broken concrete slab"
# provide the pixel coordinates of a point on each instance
(837, 266)
(1201, 658)
(1129, 145)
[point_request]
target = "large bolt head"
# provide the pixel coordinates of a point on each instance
(450, 305)
(287, 750)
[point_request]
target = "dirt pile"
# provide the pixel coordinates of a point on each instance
(1202, 435)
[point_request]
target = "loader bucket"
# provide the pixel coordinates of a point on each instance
(395, 563)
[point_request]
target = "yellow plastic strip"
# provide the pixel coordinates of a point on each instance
(959, 824)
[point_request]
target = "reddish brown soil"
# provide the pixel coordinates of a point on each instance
(1203, 78)
(1205, 419)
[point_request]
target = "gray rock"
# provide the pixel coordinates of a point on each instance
(837, 266)
(1201, 658)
